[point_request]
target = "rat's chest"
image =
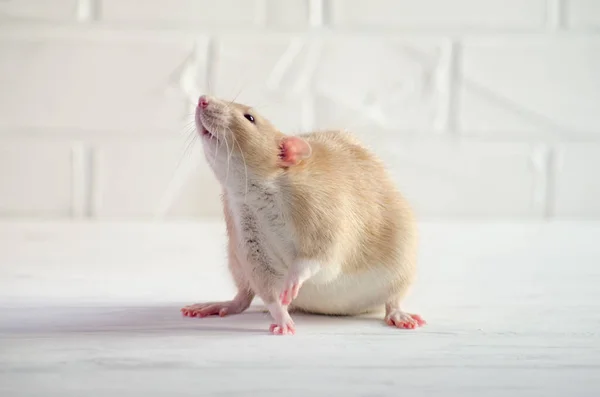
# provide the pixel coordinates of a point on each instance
(264, 227)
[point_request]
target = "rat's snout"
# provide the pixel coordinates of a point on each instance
(209, 106)
(203, 102)
(212, 116)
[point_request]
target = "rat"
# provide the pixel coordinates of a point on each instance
(314, 221)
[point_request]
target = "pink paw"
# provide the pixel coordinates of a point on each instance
(290, 292)
(283, 329)
(400, 319)
(210, 309)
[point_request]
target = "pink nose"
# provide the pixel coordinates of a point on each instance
(203, 102)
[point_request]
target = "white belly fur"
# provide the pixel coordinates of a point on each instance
(346, 294)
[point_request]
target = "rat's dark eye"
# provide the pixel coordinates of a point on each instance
(249, 117)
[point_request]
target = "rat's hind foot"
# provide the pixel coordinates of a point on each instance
(396, 317)
(212, 308)
(400, 319)
(283, 323)
(240, 303)
(283, 329)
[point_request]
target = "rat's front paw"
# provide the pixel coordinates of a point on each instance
(291, 287)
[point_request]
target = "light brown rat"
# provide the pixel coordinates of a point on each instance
(314, 221)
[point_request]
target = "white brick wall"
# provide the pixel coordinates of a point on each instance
(439, 14)
(49, 10)
(481, 108)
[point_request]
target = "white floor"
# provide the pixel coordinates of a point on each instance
(93, 310)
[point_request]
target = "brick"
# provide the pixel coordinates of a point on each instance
(269, 82)
(35, 179)
(366, 94)
(208, 13)
(439, 14)
(130, 179)
(582, 13)
(115, 83)
(203, 13)
(54, 10)
(577, 191)
(470, 180)
(543, 87)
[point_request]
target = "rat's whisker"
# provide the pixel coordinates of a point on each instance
(189, 134)
(186, 151)
(189, 137)
(217, 135)
(191, 121)
(179, 177)
(185, 128)
(245, 166)
(236, 96)
(208, 86)
(221, 140)
(228, 159)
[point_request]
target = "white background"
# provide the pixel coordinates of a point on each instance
(483, 109)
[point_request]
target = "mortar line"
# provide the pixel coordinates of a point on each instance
(448, 84)
(94, 183)
(552, 162)
(88, 10)
(78, 180)
(212, 59)
(316, 13)
(555, 10)
(261, 13)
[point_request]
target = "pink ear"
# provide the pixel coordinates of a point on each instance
(293, 150)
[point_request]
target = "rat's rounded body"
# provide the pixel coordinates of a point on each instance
(314, 221)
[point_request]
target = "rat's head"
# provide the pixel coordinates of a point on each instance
(236, 137)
